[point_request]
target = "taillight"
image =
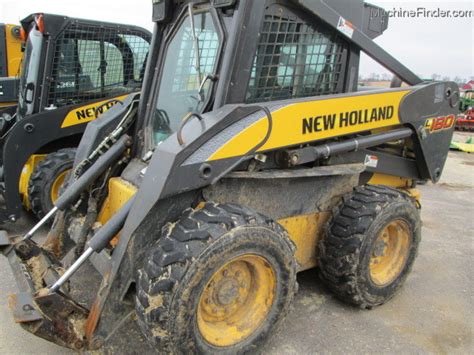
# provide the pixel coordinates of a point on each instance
(40, 23)
(23, 35)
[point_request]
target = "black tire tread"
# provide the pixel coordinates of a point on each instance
(43, 172)
(180, 243)
(339, 250)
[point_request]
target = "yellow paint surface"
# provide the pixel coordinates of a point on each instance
(120, 191)
(14, 53)
(236, 300)
(87, 113)
(288, 129)
(390, 180)
(305, 231)
(7, 104)
(25, 177)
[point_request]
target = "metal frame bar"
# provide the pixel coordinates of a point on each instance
(367, 45)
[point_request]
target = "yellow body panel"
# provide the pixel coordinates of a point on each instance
(305, 231)
(305, 122)
(14, 53)
(390, 180)
(404, 184)
(7, 104)
(25, 177)
(88, 113)
(120, 191)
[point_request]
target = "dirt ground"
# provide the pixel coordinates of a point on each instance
(432, 313)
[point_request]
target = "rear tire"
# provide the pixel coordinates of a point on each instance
(217, 265)
(370, 245)
(46, 180)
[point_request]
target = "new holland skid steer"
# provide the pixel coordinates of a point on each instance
(10, 59)
(248, 156)
(73, 70)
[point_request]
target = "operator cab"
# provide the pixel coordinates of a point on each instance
(69, 62)
(291, 58)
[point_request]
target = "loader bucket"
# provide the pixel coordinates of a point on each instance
(52, 316)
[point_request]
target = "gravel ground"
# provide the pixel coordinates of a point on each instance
(432, 313)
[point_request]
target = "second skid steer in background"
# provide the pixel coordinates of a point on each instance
(73, 70)
(248, 157)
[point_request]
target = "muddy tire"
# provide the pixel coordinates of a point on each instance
(46, 180)
(205, 270)
(370, 245)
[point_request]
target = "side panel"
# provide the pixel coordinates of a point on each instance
(301, 205)
(307, 121)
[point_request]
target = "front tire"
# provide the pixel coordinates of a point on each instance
(220, 280)
(370, 245)
(47, 178)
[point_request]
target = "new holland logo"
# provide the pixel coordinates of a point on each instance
(346, 119)
(89, 112)
(437, 124)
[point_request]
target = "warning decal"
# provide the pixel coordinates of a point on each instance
(345, 27)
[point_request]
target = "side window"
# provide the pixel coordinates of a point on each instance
(295, 59)
(186, 76)
(93, 63)
(139, 47)
(88, 64)
(114, 66)
(94, 69)
(179, 87)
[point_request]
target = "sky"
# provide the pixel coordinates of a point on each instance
(426, 44)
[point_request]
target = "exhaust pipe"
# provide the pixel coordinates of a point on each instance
(97, 243)
(77, 187)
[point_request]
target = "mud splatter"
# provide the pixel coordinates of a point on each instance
(312, 302)
(155, 302)
(34, 266)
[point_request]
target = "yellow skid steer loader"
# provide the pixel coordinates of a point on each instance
(248, 156)
(73, 70)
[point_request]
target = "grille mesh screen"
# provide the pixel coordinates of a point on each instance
(295, 59)
(92, 62)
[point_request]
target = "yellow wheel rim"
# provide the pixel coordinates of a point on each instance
(57, 185)
(236, 300)
(390, 253)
